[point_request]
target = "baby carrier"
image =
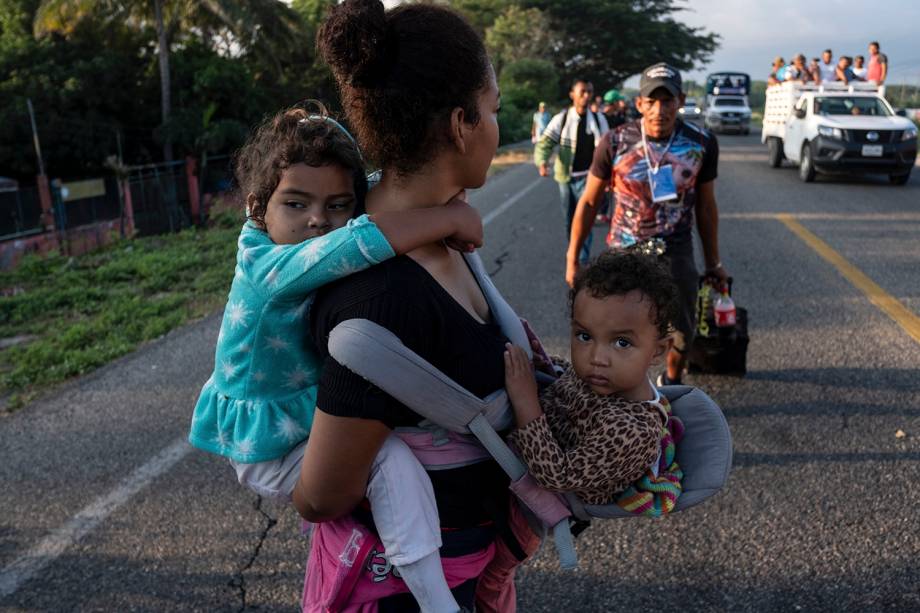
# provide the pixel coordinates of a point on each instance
(461, 429)
(455, 414)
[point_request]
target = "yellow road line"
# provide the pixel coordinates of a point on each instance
(906, 216)
(903, 316)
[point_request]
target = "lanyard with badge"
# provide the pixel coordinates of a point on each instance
(660, 178)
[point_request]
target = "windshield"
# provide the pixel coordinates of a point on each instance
(690, 102)
(850, 105)
(729, 102)
(728, 83)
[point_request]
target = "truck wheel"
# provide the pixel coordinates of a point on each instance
(806, 164)
(899, 179)
(775, 151)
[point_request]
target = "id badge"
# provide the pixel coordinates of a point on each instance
(662, 184)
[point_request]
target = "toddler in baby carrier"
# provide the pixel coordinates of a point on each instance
(464, 428)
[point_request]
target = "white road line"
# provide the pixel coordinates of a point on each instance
(507, 204)
(49, 548)
(52, 546)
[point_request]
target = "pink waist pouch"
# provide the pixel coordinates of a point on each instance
(348, 570)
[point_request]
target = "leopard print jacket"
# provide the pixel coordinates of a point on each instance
(592, 445)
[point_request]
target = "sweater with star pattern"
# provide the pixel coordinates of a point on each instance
(259, 402)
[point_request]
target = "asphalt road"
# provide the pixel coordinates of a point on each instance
(104, 509)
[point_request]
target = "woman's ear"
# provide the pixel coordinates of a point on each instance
(458, 129)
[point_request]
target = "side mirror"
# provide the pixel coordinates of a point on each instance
(800, 113)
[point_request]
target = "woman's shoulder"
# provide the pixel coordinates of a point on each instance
(395, 294)
(372, 284)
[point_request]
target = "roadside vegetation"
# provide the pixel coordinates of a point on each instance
(64, 316)
(511, 156)
(61, 317)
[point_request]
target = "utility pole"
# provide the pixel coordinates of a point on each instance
(38, 148)
(118, 143)
(44, 188)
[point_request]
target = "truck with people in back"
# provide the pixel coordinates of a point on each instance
(837, 128)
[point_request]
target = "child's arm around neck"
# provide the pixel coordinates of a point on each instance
(410, 229)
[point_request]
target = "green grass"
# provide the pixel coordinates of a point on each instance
(79, 313)
(82, 312)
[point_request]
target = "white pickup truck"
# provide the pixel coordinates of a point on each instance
(837, 128)
(724, 113)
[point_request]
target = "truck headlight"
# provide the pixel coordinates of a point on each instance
(909, 134)
(830, 132)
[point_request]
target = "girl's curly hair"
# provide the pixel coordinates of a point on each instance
(618, 272)
(294, 136)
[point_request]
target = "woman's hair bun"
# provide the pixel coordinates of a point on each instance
(353, 41)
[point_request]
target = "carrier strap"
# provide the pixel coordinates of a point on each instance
(372, 351)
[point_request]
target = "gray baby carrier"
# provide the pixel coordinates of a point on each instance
(704, 454)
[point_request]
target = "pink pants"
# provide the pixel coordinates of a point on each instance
(495, 591)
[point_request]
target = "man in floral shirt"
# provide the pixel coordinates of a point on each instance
(662, 173)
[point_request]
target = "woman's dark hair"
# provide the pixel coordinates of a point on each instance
(401, 73)
(293, 136)
(617, 272)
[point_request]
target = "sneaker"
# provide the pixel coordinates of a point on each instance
(663, 380)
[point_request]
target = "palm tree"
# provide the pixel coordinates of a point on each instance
(266, 28)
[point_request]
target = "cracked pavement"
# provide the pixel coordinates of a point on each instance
(239, 582)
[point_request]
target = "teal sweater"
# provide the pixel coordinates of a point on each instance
(259, 403)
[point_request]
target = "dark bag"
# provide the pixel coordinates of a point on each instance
(715, 350)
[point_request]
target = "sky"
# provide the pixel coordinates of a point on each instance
(755, 31)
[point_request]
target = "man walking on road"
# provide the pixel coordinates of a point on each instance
(662, 173)
(539, 123)
(577, 130)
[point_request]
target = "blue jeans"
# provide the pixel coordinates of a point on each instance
(569, 193)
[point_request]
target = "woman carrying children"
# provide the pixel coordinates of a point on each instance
(305, 185)
(421, 95)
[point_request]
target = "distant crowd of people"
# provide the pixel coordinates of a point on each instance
(616, 108)
(845, 69)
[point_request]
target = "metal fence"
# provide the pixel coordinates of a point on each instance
(103, 207)
(159, 196)
(20, 213)
(215, 175)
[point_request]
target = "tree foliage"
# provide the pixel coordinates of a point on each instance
(523, 84)
(97, 81)
(606, 41)
(518, 34)
(94, 79)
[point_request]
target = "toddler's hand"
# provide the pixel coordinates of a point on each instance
(520, 382)
(467, 225)
(541, 360)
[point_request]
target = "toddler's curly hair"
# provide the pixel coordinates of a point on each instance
(618, 272)
(293, 136)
